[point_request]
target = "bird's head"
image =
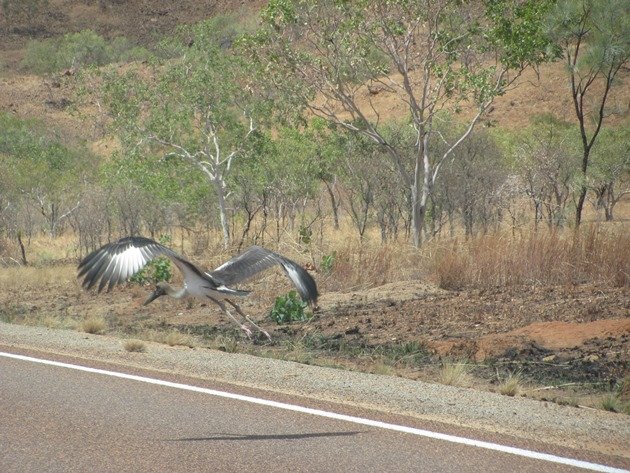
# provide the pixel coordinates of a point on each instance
(161, 289)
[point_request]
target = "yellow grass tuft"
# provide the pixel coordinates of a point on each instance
(512, 386)
(176, 338)
(227, 344)
(455, 374)
(137, 346)
(93, 325)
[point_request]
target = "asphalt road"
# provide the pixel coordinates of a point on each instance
(59, 419)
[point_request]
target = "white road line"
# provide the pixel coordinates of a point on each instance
(332, 415)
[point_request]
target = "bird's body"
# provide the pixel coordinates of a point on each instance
(115, 262)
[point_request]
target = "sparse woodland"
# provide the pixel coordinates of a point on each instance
(357, 137)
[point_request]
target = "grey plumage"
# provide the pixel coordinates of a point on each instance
(115, 262)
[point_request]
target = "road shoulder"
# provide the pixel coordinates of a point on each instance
(565, 426)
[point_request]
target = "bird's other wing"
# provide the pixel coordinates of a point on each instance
(117, 261)
(256, 259)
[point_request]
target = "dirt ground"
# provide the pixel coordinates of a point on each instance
(577, 337)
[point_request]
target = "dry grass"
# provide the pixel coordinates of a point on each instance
(455, 374)
(384, 369)
(598, 253)
(137, 346)
(14, 277)
(226, 343)
(171, 338)
(358, 266)
(297, 351)
(591, 255)
(512, 386)
(613, 403)
(93, 325)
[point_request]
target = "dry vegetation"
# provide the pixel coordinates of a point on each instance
(552, 306)
(461, 312)
(595, 254)
(512, 386)
(136, 346)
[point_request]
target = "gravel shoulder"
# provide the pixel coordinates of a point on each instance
(565, 426)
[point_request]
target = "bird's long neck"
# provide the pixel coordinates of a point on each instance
(176, 293)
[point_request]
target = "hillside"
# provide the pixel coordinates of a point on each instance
(140, 20)
(537, 92)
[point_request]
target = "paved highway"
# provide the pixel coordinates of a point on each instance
(60, 419)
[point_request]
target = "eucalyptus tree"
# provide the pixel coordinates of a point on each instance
(42, 171)
(343, 60)
(471, 182)
(192, 107)
(291, 175)
(594, 36)
(546, 155)
(609, 177)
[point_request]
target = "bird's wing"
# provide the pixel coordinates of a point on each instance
(117, 261)
(256, 259)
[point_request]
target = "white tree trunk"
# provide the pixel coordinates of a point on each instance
(219, 185)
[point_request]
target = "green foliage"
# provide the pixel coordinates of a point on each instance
(601, 28)
(316, 55)
(362, 40)
(22, 10)
(33, 158)
(611, 154)
(328, 262)
(164, 182)
(158, 269)
(85, 48)
(289, 308)
(517, 30)
(185, 122)
(306, 234)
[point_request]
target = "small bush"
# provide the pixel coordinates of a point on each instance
(227, 344)
(289, 308)
(455, 374)
(512, 386)
(137, 346)
(328, 262)
(93, 325)
(158, 269)
(85, 48)
(610, 402)
(175, 338)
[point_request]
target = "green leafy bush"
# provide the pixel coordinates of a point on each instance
(158, 269)
(85, 48)
(306, 234)
(289, 308)
(328, 262)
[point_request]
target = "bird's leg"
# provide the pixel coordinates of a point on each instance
(243, 327)
(242, 314)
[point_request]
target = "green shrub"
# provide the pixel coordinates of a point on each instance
(85, 48)
(289, 308)
(158, 269)
(155, 271)
(328, 262)
(306, 234)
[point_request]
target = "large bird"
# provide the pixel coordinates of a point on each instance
(115, 262)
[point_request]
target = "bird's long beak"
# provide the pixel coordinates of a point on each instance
(154, 295)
